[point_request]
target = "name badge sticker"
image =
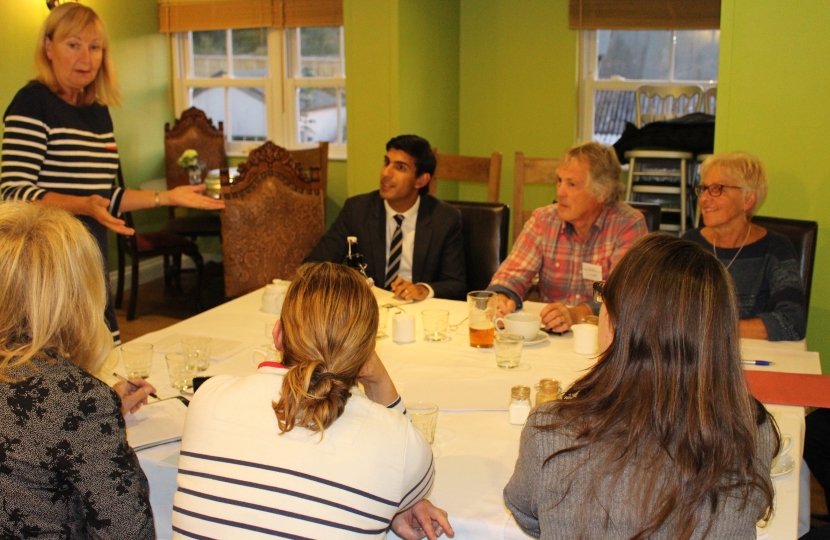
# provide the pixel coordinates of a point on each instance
(591, 272)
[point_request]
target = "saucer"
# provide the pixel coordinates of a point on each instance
(541, 337)
(782, 465)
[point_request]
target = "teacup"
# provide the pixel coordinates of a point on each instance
(786, 445)
(526, 325)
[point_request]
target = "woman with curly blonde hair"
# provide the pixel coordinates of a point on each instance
(298, 449)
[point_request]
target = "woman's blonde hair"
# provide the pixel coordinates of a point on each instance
(63, 22)
(52, 291)
(329, 321)
(744, 169)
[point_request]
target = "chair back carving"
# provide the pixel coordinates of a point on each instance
(194, 130)
(484, 170)
(273, 218)
(529, 171)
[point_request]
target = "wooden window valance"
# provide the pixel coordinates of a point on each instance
(644, 14)
(188, 15)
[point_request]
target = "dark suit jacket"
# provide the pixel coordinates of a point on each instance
(438, 254)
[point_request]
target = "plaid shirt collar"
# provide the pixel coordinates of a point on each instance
(598, 225)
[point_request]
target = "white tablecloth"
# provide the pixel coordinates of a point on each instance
(475, 447)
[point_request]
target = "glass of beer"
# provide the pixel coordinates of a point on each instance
(482, 306)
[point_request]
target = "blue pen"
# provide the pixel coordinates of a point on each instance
(757, 362)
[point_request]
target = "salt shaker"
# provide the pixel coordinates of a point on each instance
(547, 390)
(519, 407)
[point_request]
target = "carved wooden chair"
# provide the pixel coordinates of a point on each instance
(314, 163)
(194, 130)
(484, 170)
(273, 218)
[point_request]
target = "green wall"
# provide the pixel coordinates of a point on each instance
(403, 70)
(518, 86)
(772, 101)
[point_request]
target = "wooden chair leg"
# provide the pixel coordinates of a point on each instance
(119, 292)
(133, 290)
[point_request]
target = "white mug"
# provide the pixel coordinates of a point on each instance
(403, 328)
(586, 338)
(273, 298)
(526, 325)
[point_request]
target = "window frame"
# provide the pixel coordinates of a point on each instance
(589, 84)
(279, 87)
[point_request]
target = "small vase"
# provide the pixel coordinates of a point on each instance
(195, 174)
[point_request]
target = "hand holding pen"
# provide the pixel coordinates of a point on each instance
(133, 393)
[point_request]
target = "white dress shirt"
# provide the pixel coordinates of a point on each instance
(410, 219)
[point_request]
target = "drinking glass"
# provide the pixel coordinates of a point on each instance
(137, 358)
(198, 349)
(181, 369)
(508, 350)
(436, 322)
(482, 309)
(425, 418)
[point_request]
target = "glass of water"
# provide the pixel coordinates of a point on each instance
(508, 349)
(425, 418)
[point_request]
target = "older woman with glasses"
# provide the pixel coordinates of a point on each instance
(762, 263)
(661, 439)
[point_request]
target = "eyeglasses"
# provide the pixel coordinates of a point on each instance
(598, 286)
(714, 189)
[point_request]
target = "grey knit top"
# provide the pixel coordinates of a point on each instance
(543, 507)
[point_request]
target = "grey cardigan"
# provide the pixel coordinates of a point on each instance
(536, 494)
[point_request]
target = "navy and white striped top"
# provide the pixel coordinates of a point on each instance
(50, 145)
(240, 478)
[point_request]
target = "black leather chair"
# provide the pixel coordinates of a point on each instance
(650, 211)
(485, 229)
(803, 235)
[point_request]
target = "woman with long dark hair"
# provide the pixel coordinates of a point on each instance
(661, 438)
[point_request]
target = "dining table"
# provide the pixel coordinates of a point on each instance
(475, 447)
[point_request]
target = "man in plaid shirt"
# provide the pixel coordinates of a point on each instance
(573, 243)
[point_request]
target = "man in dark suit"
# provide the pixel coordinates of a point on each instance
(410, 240)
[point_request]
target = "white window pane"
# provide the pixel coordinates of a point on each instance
(319, 54)
(317, 115)
(210, 54)
(633, 55)
(250, 53)
(210, 100)
(247, 106)
(696, 55)
(612, 109)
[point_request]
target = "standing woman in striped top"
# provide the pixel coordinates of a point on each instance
(58, 142)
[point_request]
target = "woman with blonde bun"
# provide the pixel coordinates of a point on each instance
(298, 449)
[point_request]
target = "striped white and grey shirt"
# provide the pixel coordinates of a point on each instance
(52, 146)
(240, 478)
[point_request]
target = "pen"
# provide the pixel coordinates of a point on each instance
(757, 363)
(126, 380)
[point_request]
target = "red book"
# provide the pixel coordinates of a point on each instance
(790, 388)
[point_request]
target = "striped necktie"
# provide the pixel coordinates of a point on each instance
(395, 252)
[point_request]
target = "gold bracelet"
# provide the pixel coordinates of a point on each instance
(157, 201)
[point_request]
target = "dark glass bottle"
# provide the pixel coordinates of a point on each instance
(354, 259)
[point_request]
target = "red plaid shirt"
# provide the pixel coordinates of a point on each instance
(550, 247)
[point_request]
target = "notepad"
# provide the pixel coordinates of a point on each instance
(157, 423)
(790, 388)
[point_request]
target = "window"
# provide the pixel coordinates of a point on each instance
(616, 62)
(284, 85)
